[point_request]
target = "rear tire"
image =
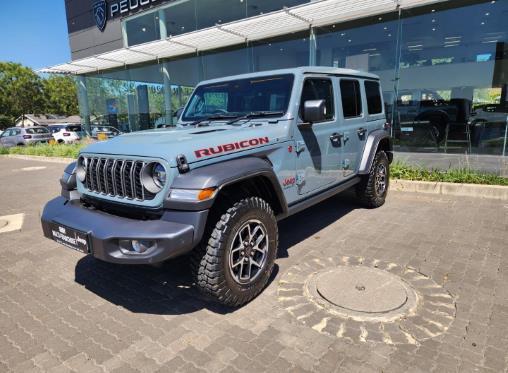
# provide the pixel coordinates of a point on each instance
(236, 258)
(373, 188)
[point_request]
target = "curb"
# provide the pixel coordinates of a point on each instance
(39, 158)
(496, 192)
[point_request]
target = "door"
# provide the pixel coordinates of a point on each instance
(354, 126)
(6, 139)
(318, 153)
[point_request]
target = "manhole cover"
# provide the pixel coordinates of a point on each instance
(3, 223)
(362, 289)
(362, 293)
(366, 300)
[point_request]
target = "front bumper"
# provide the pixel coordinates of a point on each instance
(106, 232)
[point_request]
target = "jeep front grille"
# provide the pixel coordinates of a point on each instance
(116, 178)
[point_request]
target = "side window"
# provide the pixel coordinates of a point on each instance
(318, 89)
(16, 132)
(373, 93)
(351, 98)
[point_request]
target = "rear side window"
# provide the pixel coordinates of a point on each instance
(351, 98)
(374, 102)
(36, 130)
(318, 89)
(73, 128)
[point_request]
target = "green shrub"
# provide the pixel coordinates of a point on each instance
(403, 171)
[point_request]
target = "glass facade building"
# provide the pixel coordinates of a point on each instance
(443, 68)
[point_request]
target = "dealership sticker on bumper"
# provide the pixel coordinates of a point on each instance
(71, 238)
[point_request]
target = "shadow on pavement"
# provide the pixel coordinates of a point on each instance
(168, 289)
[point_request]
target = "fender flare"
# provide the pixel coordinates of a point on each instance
(370, 150)
(220, 175)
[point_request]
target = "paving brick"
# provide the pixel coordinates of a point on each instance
(62, 312)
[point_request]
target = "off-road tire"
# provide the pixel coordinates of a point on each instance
(210, 260)
(366, 190)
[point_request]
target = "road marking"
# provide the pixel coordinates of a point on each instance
(14, 223)
(37, 168)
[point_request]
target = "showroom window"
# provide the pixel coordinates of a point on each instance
(142, 29)
(351, 98)
(450, 70)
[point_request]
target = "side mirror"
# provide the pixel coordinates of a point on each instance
(314, 111)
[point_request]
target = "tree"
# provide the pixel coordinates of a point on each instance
(60, 95)
(21, 90)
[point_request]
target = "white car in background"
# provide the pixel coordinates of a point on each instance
(65, 133)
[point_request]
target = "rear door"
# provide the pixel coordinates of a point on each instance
(318, 156)
(353, 126)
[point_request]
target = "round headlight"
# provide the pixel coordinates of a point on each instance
(81, 168)
(159, 175)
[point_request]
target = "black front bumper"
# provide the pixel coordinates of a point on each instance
(107, 232)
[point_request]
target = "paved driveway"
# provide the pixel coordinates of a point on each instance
(60, 311)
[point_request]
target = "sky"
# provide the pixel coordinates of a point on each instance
(34, 32)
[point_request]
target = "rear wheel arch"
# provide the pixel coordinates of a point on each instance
(377, 141)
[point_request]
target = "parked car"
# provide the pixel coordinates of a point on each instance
(107, 131)
(425, 114)
(17, 136)
(489, 123)
(66, 133)
(215, 187)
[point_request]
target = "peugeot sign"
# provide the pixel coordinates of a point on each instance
(102, 11)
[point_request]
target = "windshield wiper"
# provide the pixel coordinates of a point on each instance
(210, 118)
(256, 114)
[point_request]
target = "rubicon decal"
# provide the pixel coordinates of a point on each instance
(230, 147)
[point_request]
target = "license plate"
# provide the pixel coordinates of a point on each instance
(72, 238)
(406, 129)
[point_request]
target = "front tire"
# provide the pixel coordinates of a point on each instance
(234, 265)
(373, 188)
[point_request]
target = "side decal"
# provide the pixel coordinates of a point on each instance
(206, 152)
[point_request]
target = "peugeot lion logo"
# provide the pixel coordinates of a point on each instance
(99, 14)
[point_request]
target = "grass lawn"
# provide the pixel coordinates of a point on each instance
(465, 176)
(46, 150)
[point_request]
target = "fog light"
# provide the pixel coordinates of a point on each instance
(140, 246)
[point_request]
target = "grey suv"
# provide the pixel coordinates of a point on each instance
(24, 136)
(247, 151)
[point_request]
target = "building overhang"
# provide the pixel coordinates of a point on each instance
(289, 20)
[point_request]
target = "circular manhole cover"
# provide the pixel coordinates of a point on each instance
(3, 223)
(362, 289)
(366, 300)
(362, 293)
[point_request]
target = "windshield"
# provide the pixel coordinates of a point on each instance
(33, 131)
(240, 97)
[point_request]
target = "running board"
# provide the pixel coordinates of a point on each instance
(319, 197)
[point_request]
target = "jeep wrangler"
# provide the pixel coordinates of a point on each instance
(247, 151)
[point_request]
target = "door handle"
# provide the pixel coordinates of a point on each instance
(361, 131)
(335, 138)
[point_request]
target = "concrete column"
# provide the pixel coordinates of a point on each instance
(162, 24)
(168, 106)
(312, 48)
(84, 109)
